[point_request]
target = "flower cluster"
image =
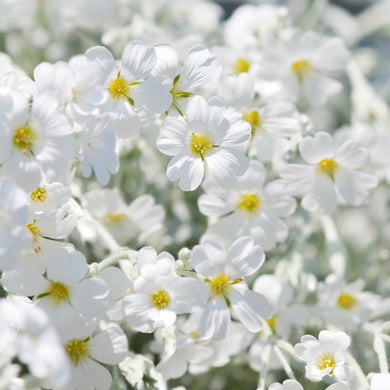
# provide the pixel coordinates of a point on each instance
(183, 196)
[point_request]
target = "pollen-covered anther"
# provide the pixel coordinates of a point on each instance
(58, 292)
(200, 144)
(119, 88)
(346, 301)
(326, 361)
(272, 323)
(301, 68)
(24, 138)
(249, 203)
(253, 118)
(241, 65)
(220, 284)
(34, 229)
(114, 218)
(39, 195)
(328, 166)
(77, 350)
(160, 299)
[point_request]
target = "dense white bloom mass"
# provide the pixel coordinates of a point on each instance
(142, 183)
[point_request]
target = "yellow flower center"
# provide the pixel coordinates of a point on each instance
(241, 66)
(77, 350)
(114, 218)
(24, 138)
(39, 195)
(253, 118)
(346, 301)
(272, 323)
(249, 203)
(34, 229)
(161, 299)
(220, 284)
(325, 362)
(301, 68)
(328, 167)
(194, 334)
(200, 144)
(58, 292)
(119, 88)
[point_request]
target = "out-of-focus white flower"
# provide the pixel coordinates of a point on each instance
(304, 64)
(248, 208)
(30, 336)
(290, 384)
(208, 137)
(97, 143)
(342, 303)
(325, 356)
(330, 175)
(380, 381)
(14, 237)
(138, 220)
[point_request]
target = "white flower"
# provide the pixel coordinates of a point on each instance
(208, 137)
(14, 237)
(345, 303)
(158, 294)
(303, 65)
(97, 149)
(325, 356)
(290, 384)
(248, 208)
(65, 293)
(251, 26)
(330, 174)
(223, 274)
(33, 340)
(380, 382)
(37, 142)
(138, 220)
(128, 87)
(108, 347)
(199, 69)
(139, 371)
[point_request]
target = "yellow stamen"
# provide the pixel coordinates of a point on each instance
(249, 203)
(241, 66)
(301, 68)
(194, 334)
(23, 139)
(346, 301)
(328, 167)
(253, 118)
(34, 229)
(272, 323)
(77, 350)
(58, 292)
(39, 195)
(119, 88)
(220, 284)
(200, 144)
(327, 361)
(114, 218)
(161, 299)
